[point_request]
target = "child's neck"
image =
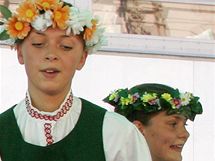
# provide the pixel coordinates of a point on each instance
(46, 102)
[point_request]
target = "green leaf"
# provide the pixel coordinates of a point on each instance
(176, 93)
(4, 35)
(164, 104)
(197, 108)
(67, 4)
(5, 12)
(106, 99)
(123, 93)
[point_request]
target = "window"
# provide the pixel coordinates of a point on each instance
(183, 28)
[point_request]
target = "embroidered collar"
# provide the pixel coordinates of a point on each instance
(65, 107)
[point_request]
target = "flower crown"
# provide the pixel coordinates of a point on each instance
(126, 101)
(41, 14)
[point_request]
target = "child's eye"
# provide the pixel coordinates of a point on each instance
(173, 124)
(38, 45)
(66, 47)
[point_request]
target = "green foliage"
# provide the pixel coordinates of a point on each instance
(150, 98)
(5, 12)
(4, 35)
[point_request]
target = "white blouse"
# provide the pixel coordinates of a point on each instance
(121, 139)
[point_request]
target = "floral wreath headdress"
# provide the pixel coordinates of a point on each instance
(41, 14)
(148, 98)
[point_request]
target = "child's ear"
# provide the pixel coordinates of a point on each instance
(19, 54)
(140, 126)
(82, 61)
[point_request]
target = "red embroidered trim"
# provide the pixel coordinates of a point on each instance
(47, 126)
(47, 130)
(67, 105)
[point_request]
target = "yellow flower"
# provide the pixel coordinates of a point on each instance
(126, 101)
(147, 97)
(113, 96)
(88, 33)
(17, 29)
(46, 4)
(26, 11)
(166, 96)
(60, 16)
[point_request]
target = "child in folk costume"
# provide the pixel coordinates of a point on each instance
(53, 40)
(160, 113)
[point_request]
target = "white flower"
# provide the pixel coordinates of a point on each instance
(48, 18)
(96, 36)
(85, 18)
(10, 41)
(185, 98)
(75, 27)
(78, 20)
(43, 21)
(98, 39)
(73, 24)
(2, 28)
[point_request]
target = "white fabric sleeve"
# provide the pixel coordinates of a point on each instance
(122, 140)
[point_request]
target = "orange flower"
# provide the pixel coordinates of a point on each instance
(46, 4)
(60, 16)
(88, 33)
(27, 11)
(17, 29)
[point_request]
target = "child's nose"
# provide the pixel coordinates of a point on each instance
(51, 57)
(51, 54)
(184, 133)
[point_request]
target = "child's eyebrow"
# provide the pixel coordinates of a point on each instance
(179, 118)
(65, 35)
(40, 33)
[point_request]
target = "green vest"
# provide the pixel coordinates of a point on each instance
(83, 143)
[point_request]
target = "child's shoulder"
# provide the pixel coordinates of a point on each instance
(92, 106)
(6, 117)
(6, 113)
(117, 126)
(118, 119)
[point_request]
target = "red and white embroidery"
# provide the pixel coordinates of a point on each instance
(47, 130)
(47, 126)
(65, 108)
